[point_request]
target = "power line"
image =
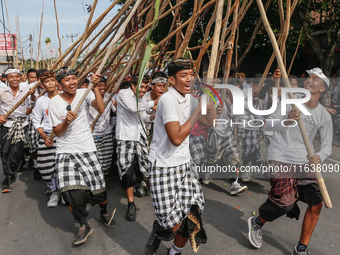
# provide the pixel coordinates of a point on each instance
(4, 26)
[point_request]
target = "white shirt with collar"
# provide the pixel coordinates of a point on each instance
(40, 114)
(128, 126)
(172, 107)
(7, 101)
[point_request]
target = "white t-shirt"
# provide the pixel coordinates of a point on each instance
(286, 144)
(78, 137)
(40, 114)
(103, 125)
(171, 107)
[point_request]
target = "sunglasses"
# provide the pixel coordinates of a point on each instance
(68, 108)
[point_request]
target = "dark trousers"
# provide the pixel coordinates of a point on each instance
(10, 153)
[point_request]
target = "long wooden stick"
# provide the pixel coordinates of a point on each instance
(58, 34)
(108, 52)
(40, 30)
(217, 32)
(303, 131)
(85, 34)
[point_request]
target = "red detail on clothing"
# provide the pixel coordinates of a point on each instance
(200, 129)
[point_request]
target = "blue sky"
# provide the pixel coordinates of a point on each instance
(70, 15)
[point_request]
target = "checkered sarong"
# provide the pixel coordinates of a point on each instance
(16, 132)
(80, 171)
(250, 145)
(226, 147)
(174, 190)
(104, 144)
(46, 164)
(32, 136)
(198, 149)
(240, 132)
(126, 151)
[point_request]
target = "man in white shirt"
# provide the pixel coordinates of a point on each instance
(80, 177)
(32, 134)
(14, 127)
(176, 193)
(132, 147)
(102, 134)
(46, 149)
(158, 84)
(31, 77)
(287, 150)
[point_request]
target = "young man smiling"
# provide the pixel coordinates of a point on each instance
(14, 127)
(287, 149)
(176, 193)
(132, 147)
(46, 149)
(80, 176)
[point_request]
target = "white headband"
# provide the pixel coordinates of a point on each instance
(159, 80)
(9, 71)
(318, 72)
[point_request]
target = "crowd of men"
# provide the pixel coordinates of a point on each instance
(157, 137)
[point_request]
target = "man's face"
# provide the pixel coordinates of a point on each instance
(50, 84)
(84, 86)
(69, 84)
(23, 77)
(13, 80)
(293, 83)
(241, 78)
(102, 88)
(182, 81)
(158, 88)
(314, 84)
(142, 89)
(32, 77)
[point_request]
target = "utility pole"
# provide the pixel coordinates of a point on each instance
(30, 39)
(71, 36)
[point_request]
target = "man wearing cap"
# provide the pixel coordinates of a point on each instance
(176, 193)
(14, 127)
(132, 147)
(80, 176)
(287, 150)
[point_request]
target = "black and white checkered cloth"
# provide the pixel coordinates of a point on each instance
(226, 147)
(251, 144)
(126, 151)
(16, 131)
(266, 139)
(46, 164)
(80, 171)
(174, 190)
(198, 149)
(32, 136)
(240, 132)
(104, 144)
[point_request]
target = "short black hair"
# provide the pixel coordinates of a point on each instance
(256, 80)
(125, 85)
(40, 72)
(159, 74)
(32, 70)
(86, 81)
(235, 82)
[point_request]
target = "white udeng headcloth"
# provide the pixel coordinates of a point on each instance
(9, 71)
(318, 72)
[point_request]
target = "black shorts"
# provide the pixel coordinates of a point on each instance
(309, 194)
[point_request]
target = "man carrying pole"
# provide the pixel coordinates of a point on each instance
(176, 193)
(80, 176)
(14, 126)
(46, 149)
(287, 149)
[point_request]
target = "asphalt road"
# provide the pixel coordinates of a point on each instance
(29, 227)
